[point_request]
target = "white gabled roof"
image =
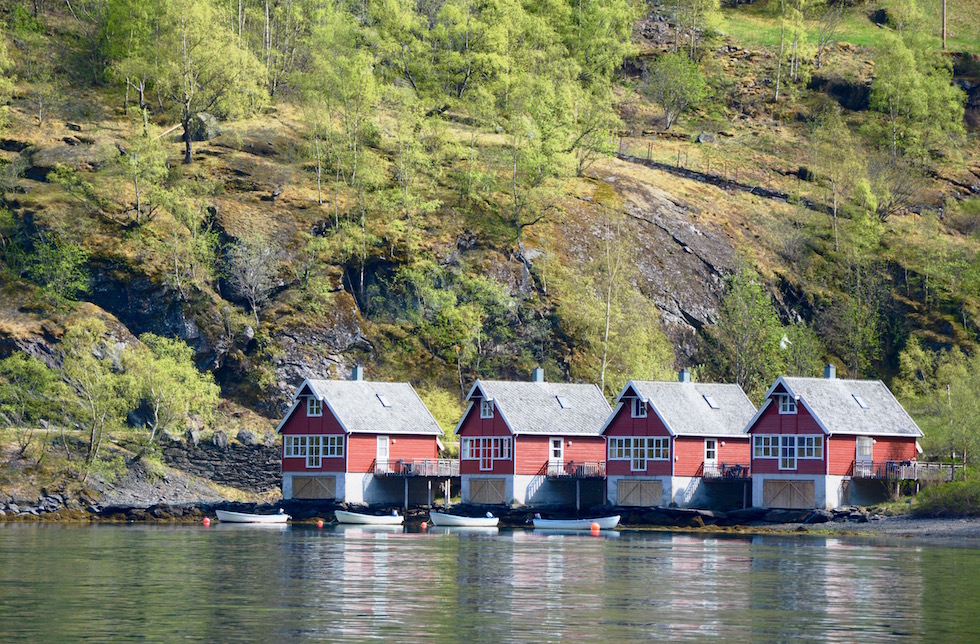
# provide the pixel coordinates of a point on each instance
(362, 406)
(685, 408)
(859, 407)
(545, 408)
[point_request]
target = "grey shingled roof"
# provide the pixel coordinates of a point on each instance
(832, 401)
(533, 407)
(685, 411)
(359, 410)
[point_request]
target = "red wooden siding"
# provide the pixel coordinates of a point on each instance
(300, 423)
(894, 448)
(772, 422)
(623, 424)
(532, 452)
(735, 451)
(474, 426)
(841, 450)
(689, 451)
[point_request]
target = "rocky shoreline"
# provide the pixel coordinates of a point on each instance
(61, 507)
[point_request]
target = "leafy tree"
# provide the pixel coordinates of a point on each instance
(200, 66)
(598, 33)
(700, 21)
(253, 269)
(170, 384)
(801, 350)
(913, 91)
(92, 368)
(743, 347)
(836, 157)
(29, 392)
(675, 83)
(58, 266)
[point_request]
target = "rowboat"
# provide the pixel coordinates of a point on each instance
(605, 523)
(456, 521)
(368, 519)
(228, 516)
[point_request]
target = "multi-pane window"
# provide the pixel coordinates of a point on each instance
(639, 408)
(809, 446)
(314, 406)
(496, 449)
(710, 450)
(765, 446)
(788, 449)
(313, 448)
(486, 408)
(639, 450)
(787, 452)
(787, 404)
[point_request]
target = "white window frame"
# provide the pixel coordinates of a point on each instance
(809, 447)
(314, 406)
(787, 452)
(638, 408)
(765, 446)
(314, 445)
(787, 404)
(711, 453)
(658, 449)
(333, 446)
(486, 408)
(638, 450)
(499, 449)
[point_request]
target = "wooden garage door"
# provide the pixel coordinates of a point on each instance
(788, 494)
(314, 487)
(646, 494)
(489, 491)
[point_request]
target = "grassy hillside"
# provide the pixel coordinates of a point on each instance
(461, 233)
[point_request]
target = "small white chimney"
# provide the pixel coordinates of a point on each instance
(357, 373)
(684, 376)
(537, 375)
(830, 372)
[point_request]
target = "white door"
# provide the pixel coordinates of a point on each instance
(863, 457)
(556, 456)
(710, 455)
(382, 457)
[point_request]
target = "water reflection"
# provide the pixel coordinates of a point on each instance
(362, 582)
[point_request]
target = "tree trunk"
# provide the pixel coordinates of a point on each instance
(188, 158)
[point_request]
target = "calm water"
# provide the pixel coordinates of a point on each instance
(271, 584)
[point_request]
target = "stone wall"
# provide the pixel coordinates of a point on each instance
(253, 468)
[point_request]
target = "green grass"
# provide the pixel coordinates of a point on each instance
(955, 499)
(758, 24)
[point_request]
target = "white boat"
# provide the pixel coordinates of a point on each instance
(228, 516)
(605, 523)
(456, 521)
(368, 519)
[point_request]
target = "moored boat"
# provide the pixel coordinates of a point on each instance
(604, 523)
(227, 516)
(454, 520)
(368, 519)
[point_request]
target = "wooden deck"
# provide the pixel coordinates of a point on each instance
(573, 470)
(726, 471)
(903, 471)
(419, 467)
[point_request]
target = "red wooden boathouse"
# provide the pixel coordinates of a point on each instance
(533, 443)
(357, 441)
(666, 440)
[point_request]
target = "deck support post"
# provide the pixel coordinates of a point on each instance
(446, 488)
(406, 492)
(578, 495)
(428, 497)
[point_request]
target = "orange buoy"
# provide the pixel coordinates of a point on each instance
(424, 526)
(206, 522)
(595, 526)
(319, 523)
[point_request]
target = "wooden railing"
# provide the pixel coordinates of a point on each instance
(417, 467)
(733, 471)
(902, 470)
(573, 470)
